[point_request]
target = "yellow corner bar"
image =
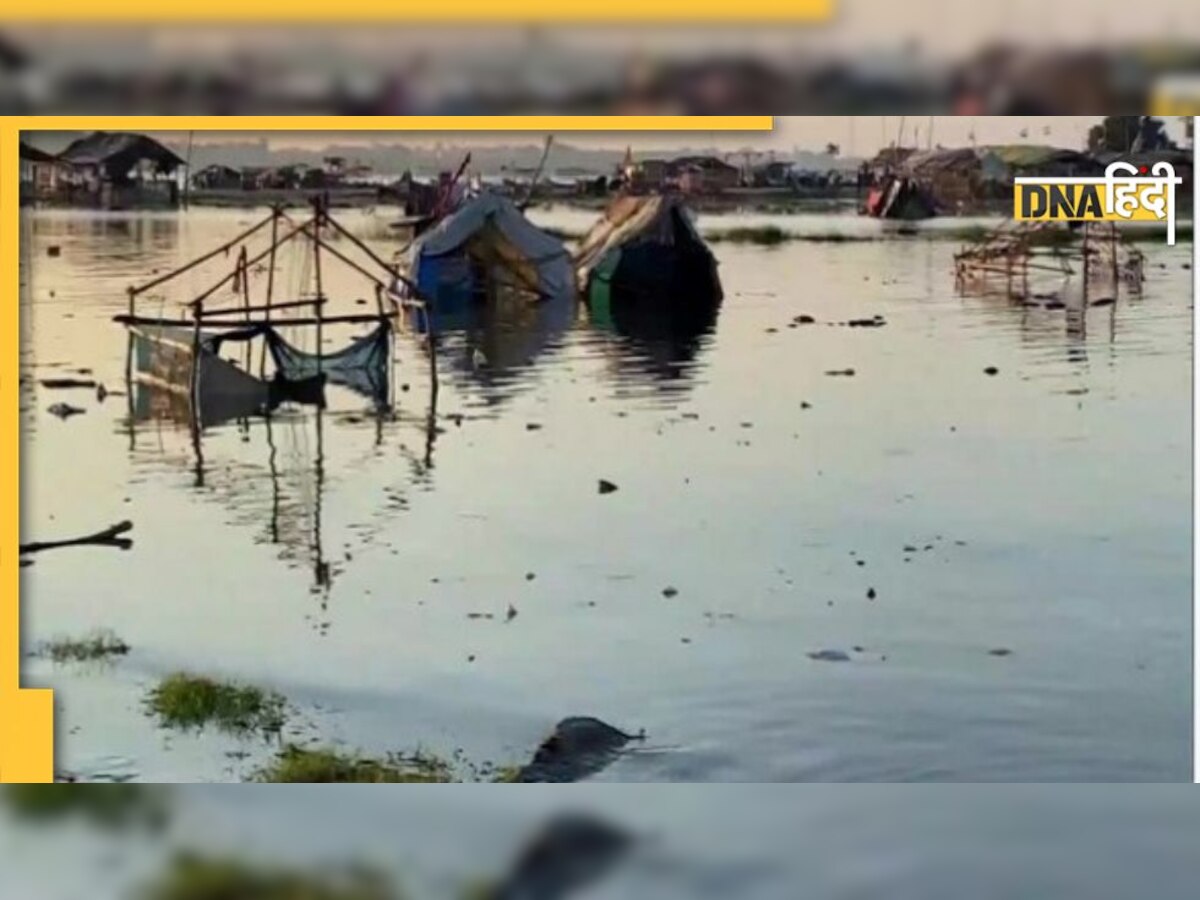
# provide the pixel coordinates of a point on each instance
(461, 12)
(26, 716)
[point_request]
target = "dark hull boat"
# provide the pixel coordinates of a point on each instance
(900, 198)
(645, 261)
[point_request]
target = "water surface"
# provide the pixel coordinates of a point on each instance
(350, 559)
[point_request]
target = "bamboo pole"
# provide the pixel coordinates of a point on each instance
(135, 291)
(252, 261)
(354, 239)
(234, 325)
(276, 211)
(194, 377)
(1086, 262)
(233, 310)
(319, 214)
(341, 256)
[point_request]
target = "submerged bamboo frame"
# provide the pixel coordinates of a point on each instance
(199, 316)
(1017, 251)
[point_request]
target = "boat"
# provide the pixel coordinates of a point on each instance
(900, 197)
(645, 257)
(485, 252)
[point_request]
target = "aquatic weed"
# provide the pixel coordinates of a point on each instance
(108, 805)
(95, 646)
(190, 701)
(192, 877)
(299, 765)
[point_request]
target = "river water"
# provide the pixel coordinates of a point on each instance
(1004, 559)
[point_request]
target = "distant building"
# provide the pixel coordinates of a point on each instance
(118, 170)
(40, 173)
(217, 177)
(775, 173)
(703, 175)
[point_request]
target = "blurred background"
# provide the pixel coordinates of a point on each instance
(1017, 57)
(552, 842)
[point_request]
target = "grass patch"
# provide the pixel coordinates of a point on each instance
(189, 701)
(98, 645)
(297, 765)
(199, 878)
(110, 805)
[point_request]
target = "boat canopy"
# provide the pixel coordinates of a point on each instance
(653, 217)
(488, 236)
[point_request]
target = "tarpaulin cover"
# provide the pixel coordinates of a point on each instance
(633, 218)
(491, 234)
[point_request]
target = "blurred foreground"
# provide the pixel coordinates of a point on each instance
(598, 841)
(1009, 57)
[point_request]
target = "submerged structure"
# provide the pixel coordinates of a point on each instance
(645, 255)
(483, 253)
(900, 197)
(1036, 261)
(191, 361)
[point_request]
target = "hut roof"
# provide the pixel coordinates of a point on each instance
(1027, 155)
(935, 162)
(112, 147)
(28, 151)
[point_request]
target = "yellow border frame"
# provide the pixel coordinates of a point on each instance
(27, 715)
(459, 12)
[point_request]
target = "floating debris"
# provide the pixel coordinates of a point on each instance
(829, 656)
(991, 370)
(108, 537)
(54, 250)
(843, 372)
(1000, 651)
(669, 592)
(65, 410)
(63, 384)
(606, 487)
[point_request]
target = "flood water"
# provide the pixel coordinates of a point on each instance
(1005, 559)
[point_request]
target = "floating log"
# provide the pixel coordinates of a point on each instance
(109, 537)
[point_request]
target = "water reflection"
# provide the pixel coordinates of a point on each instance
(491, 350)
(653, 339)
(271, 470)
